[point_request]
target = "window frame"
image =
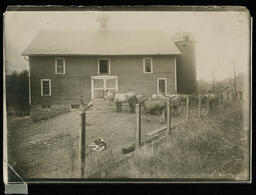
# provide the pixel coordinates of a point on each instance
(50, 87)
(144, 65)
(158, 90)
(108, 66)
(64, 65)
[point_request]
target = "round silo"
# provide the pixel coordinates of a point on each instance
(186, 63)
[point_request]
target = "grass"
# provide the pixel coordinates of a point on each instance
(213, 148)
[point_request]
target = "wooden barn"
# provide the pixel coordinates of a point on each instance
(65, 65)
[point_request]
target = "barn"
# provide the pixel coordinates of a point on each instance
(65, 65)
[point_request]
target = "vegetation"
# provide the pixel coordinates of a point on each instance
(228, 83)
(17, 93)
(213, 148)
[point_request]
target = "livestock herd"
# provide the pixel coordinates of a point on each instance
(157, 103)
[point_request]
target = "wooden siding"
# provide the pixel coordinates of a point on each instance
(69, 87)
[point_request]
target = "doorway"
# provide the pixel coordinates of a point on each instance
(101, 83)
(162, 85)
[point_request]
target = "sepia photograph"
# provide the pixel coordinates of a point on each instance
(126, 95)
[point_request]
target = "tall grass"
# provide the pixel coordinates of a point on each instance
(215, 147)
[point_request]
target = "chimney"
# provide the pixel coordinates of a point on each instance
(103, 20)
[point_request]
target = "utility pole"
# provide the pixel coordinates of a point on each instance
(235, 80)
(212, 81)
(234, 77)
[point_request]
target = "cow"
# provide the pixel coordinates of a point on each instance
(176, 103)
(119, 98)
(141, 98)
(161, 97)
(158, 104)
(152, 106)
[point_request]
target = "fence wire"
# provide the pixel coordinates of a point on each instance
(52, 148)
(45, 149)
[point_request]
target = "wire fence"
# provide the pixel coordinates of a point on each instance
(59, 147)
(45, 149)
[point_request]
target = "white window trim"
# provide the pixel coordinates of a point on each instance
(50, 86)
(158, 92)
(144, 59)
(64, 65)
(108, 65)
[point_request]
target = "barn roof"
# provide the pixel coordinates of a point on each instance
(74, 42)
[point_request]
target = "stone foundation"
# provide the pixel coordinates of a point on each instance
(44, 112)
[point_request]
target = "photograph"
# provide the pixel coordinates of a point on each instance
(153, 94)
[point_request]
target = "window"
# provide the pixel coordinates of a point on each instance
(45, 87)
(59, 66)
(147, 65)
(161, 85)
(104, 66)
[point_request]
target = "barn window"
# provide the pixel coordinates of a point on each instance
(59, 66)
(147, 65)
(104, 66)
(45, 87)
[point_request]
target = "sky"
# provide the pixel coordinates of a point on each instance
(222, 38)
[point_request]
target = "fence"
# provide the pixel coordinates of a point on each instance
(208, 103)
(45, 149)
(198, 106)
(58, 147)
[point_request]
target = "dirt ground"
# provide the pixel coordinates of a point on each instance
(50, 149)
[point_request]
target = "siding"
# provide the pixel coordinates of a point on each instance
(76, 82)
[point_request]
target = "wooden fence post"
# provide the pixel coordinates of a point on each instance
(168, 120)
(188, 108)
(138, 127)
(208, 104)
(83, 130)
(200, 106)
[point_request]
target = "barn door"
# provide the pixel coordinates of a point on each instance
(98, 88)
(99, 85)
(162, 86)
(111, 84)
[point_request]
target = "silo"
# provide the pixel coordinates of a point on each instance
(186, 63)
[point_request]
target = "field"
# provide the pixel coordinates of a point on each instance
(200, 148)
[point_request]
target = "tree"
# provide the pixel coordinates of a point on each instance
(17, 92)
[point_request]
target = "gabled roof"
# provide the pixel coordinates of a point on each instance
(74, 42)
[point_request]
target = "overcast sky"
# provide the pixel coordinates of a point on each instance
(222, 38)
